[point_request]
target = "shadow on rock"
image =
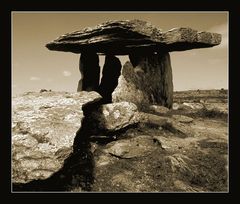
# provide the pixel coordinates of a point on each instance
(77, 172)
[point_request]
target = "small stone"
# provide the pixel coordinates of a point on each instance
(217, 107)
(178, 128)
(175, 106)
(182, 118)
(110, 74)
(159, 109)
(129, 148)
(153, 119)
(43, 90)
(153, 85)
(90, 72)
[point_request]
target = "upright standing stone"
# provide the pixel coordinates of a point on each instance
(110, 74)
(147, 79)
(90, 70)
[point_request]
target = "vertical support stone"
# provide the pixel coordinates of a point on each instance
(90, 72)
(146, 80)
(111, 72)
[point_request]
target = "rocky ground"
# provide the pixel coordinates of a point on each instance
(156, 160)
(180, 150)
(151, 158)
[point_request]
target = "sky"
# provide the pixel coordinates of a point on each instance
(34, 67)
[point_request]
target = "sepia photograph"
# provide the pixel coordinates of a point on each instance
(119, 102)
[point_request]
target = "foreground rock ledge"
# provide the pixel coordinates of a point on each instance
(44, 127)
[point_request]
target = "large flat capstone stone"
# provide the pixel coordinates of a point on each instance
(127, 36)
(44, 127)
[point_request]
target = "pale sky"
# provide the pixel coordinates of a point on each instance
(34, 67)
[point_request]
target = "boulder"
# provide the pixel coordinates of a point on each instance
(90, 70)
(175, 106)
(127, 36)
(114, 116)
(124, 91)
(44, 127)
(111, 72)
(129, 148)
(146, 80)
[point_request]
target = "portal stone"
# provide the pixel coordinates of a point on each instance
(90, 70)
(147, 79)
(110, 74)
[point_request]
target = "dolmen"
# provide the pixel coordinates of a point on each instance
(147, 77)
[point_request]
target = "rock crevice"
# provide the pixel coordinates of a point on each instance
(43, 139)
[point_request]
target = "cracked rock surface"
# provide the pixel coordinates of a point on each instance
(44, 127)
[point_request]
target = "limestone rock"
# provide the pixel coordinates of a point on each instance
(90, 71)
(182, 118)
(163, 141)
(124, 91)
(149, 82)
(178, 128)
(126, 36)
(153, 119)
(173, 125)
(194, 106)
(130, 148)
(175, 106)
(218, 107)
(115, 116)
(44, 127)
(159, 109)
(110, 74)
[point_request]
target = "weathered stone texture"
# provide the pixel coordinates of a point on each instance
(110, 74)
(114, 116)
(149, 82)
(126, 36)
(44, 127)
(129, 148)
